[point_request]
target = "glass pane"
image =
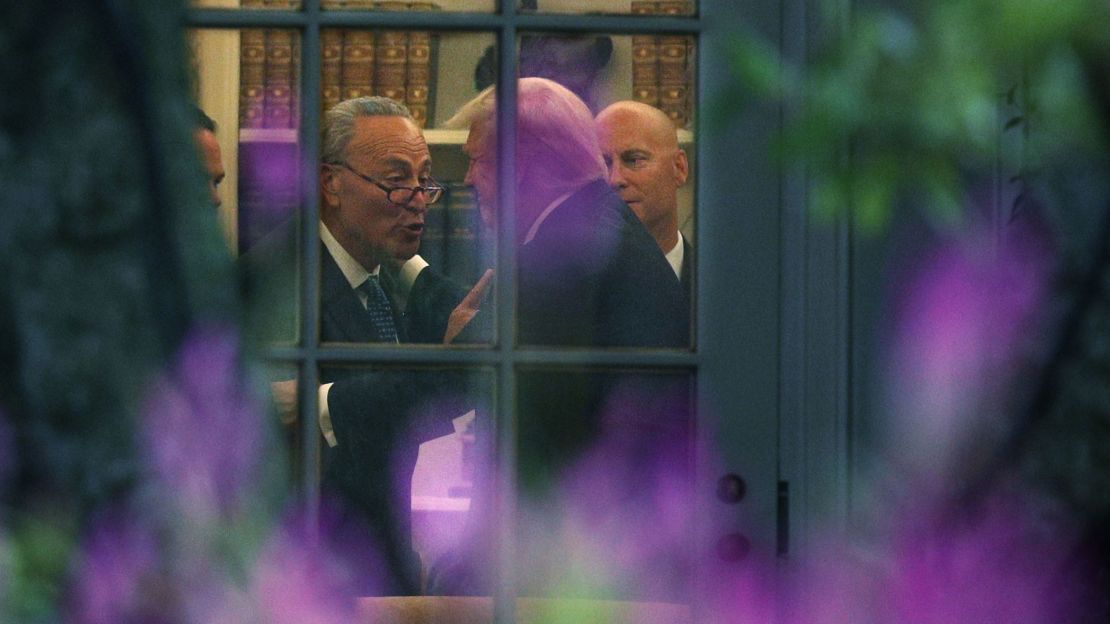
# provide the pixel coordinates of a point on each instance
(396, 264)
(593, 270)
(469, 6)
(402, 450)
(605, 475)
(246, 4)
(283, 378)
(247, 82)
(611, 7)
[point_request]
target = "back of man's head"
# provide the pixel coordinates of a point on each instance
(556, 142)
(339, 123)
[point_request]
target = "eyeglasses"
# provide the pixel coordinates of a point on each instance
(401, 195)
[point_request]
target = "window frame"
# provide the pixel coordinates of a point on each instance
(504, 357)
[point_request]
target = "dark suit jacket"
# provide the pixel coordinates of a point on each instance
(687, 269)
(591, 277)
(379, 416)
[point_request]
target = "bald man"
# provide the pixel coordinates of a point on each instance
(646, 167)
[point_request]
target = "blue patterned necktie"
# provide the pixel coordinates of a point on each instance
(379, 309)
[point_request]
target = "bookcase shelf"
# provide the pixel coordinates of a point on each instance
(439, 136)
(267, 135)
(434, 136)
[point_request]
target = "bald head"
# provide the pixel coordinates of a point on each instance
(646, 165)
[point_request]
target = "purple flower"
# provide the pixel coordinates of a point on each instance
(1001, 563)
(202, 431)
(293, 580)
(117, 576)
(620, 521)
(965, 314)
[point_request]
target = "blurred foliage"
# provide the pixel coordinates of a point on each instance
(935, 109)
(36, 556)
(109, 249)
(904, 107)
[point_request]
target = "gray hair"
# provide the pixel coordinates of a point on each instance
(339, 122)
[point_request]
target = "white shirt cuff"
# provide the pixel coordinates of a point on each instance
(325, 416)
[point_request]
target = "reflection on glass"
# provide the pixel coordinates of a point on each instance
(402, 451)
(605, 477)
(610, 7)
(470, 6)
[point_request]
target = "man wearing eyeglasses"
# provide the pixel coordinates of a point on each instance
(375, 189)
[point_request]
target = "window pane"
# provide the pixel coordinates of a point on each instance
(283, 379)
(248, 83)
(402, 450)
(611, 7)
(605, 479)
(470, 6)
(593, 270)
(424, 255)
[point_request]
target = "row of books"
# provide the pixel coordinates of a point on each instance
(454, 241)
(396, 64)
(663, 65)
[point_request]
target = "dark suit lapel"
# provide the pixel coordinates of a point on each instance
(342, 317)
(687, 278)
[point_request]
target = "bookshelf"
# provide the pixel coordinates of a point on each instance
(444, 137)
(248, 141)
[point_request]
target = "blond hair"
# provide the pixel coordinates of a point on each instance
(557, 147)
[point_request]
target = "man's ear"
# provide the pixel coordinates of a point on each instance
(329, 185)
(681, 167)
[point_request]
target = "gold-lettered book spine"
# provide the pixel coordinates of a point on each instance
(331, 43)
(645, 59)
(390, 56)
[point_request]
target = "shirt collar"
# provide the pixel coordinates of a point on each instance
(355, 273)
(676, 255)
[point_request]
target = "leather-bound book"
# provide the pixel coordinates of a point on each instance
(357, 69)
(419, 82)
(279, 78)
(331, 68)
(676, 71)
(645, 59)
(390, 56)
(252, 77)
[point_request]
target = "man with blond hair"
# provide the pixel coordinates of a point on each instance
(589, 275)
